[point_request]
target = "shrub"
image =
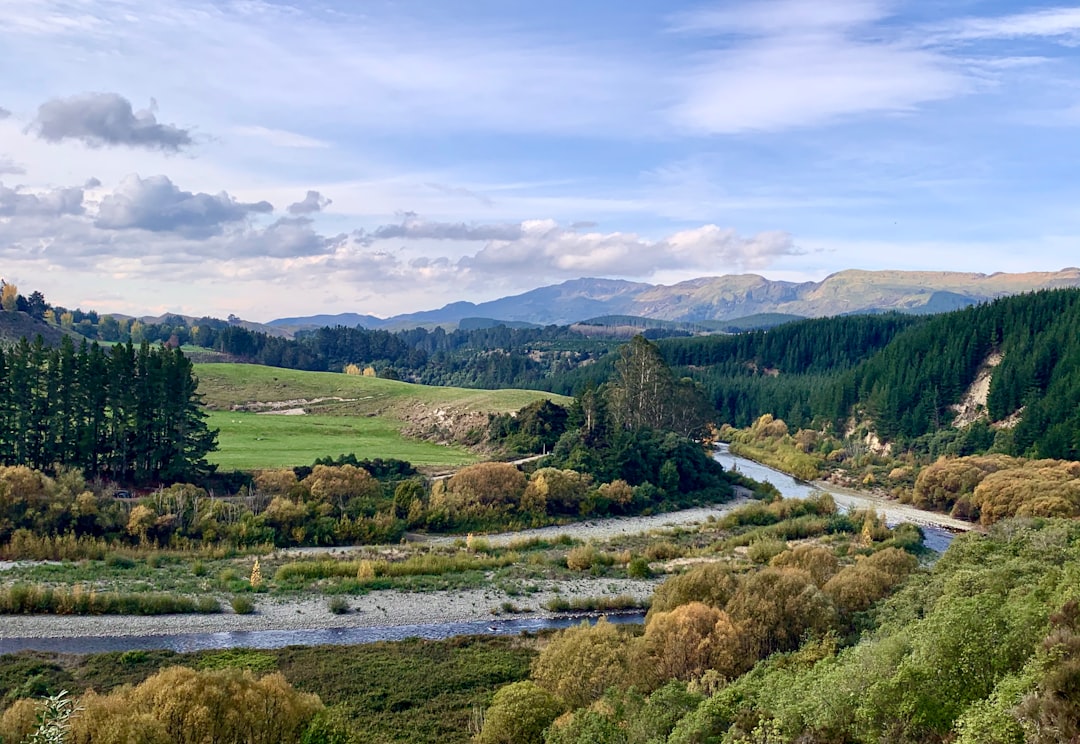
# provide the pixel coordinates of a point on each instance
(242, 605)
(519, 713)
(580, 663)
(710, 583)
(180, 704)
(582, 558)
(765, 549)
(338, 605)
(638, 568)
(208, 605)
(115, 560)
(663, 551)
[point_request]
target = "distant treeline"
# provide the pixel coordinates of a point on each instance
(128, 414)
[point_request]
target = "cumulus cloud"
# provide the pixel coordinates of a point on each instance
(312, 203)
(8, 165)
(288, 237)
(105, 119)
(547, 248)
(158, 205)
(52, 203)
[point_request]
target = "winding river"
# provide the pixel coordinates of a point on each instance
(939, 530)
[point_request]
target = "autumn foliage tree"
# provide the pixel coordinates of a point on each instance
(581, 663)
(479, 490)
(183, 706)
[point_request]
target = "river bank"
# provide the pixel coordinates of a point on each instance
(489, 605)
(374, 609)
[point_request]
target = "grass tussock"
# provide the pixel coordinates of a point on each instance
(34, 599)
(429, 564)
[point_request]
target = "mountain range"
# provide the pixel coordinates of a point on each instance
(719, 298)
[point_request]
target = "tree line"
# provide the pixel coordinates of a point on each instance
(131, 415)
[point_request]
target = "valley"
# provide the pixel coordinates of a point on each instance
(348, 507)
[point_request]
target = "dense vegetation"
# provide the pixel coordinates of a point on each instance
(980, 649)
(132, 415)
(904, 373)
(411, 691)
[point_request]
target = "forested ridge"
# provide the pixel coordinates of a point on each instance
(901, 374)
(897, 373)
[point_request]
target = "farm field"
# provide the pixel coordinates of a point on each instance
(334, 414)
(253, 441)
(226, 385)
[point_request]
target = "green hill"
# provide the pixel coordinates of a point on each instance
(272, 417)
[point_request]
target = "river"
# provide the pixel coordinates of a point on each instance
(939, 530)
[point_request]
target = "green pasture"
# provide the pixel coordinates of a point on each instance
(225, 385)
(249, 441)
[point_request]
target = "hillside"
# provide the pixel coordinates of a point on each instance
(17, 325)
(904, 377)
(725, 298)
(270, 417)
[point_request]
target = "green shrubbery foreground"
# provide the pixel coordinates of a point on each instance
(808, 645)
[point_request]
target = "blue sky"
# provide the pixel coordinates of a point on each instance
(268, 159)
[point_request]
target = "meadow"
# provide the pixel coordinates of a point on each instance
(249, 441)
(342, 414)
(226, 385)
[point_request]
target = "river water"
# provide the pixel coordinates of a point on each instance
(938, 529)
(937, 539)
(316, 637)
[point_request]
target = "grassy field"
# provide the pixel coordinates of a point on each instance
(343, 414)
(251, 441)
(226, 385)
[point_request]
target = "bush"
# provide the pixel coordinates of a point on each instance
(765, 549)
(580, 663)
(115, 560)
(242, 605)
(710, 583)
(33, 599)
(338, 605)
(584, 557)
(519, 713)
(208, 605)
(663, 551)
(638, 568)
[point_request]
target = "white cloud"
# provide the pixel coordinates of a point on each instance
(1048, 23)
(796, 63)
(156, 204)
(102, 119)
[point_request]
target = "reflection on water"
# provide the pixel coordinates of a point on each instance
(282, 638)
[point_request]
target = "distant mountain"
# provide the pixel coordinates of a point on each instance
(349, 320)
(727, 298)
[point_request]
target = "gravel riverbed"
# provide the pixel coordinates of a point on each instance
(374, 609)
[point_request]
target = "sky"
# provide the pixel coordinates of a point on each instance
(265, 159)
